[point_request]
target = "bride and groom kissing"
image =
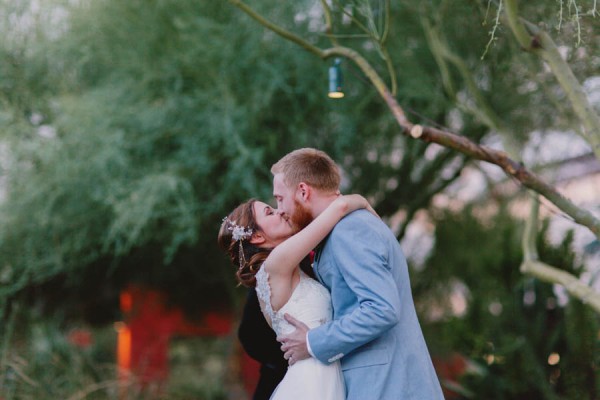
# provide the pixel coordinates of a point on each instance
(347, 328)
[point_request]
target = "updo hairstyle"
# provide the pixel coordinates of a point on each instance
(253, 256)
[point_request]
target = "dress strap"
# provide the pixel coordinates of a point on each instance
(263, 290)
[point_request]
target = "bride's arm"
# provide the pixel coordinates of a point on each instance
(287, 255)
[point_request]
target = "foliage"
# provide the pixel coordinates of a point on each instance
(38, 361)
(42, 359)
(131, 128)
(512, 323)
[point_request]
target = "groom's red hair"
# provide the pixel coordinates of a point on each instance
(311, 166)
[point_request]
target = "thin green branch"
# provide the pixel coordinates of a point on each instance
(386, 54)
(434, 46)
(391, 71)
(366, 10)
(573, 285)
(517, 28)
(493, 32)
(560, 15)
(534, 40)
(481, 108)
(354, 20)
(329, 23)
(532, 266)
(386, 25)
(573, 4)
(530, 232)
(347, 36)
(487, 11)
(277, 29)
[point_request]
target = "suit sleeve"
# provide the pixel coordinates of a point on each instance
(361, 255)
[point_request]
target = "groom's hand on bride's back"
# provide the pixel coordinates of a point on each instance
(294, 344)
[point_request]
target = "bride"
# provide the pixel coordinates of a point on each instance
(262, 244)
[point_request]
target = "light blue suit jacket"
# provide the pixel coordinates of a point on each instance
(375, 331)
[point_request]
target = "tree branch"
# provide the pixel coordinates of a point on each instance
(573, 285)
(547, 273)
(443, 138)
(516, 27)
(328, 22)
(482, 110)
(355, 20)
(276, 28)
(534, 40)
(529, 235)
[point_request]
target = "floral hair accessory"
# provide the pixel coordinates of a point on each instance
(238, 234)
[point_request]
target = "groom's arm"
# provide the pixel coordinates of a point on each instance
(361, 255)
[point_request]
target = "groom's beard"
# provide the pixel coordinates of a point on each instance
(301, 216)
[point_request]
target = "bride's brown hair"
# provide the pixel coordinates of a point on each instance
(252, 256)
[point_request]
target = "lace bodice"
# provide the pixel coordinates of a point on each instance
(310, 303)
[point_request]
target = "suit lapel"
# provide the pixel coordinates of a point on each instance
(318, 253)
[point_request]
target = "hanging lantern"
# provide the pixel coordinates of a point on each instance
(336, 80)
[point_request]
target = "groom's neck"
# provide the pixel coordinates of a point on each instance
(321, 202)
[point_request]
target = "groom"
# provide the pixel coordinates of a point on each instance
(375, 332)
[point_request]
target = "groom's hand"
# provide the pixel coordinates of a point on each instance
(294, 344)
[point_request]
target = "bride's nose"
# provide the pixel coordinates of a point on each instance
(280, 213)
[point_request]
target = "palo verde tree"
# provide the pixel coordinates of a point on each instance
(520, 61)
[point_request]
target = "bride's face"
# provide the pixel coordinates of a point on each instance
(274, 226)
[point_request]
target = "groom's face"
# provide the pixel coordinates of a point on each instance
(300, 217)
(288, 204)
(284, 195)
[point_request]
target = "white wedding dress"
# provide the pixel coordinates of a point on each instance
(310, 303)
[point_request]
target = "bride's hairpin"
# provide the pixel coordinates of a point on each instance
(238, 234)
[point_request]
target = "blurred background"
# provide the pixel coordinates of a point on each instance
(129, 129)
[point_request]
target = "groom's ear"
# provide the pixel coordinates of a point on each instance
(304, 191)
